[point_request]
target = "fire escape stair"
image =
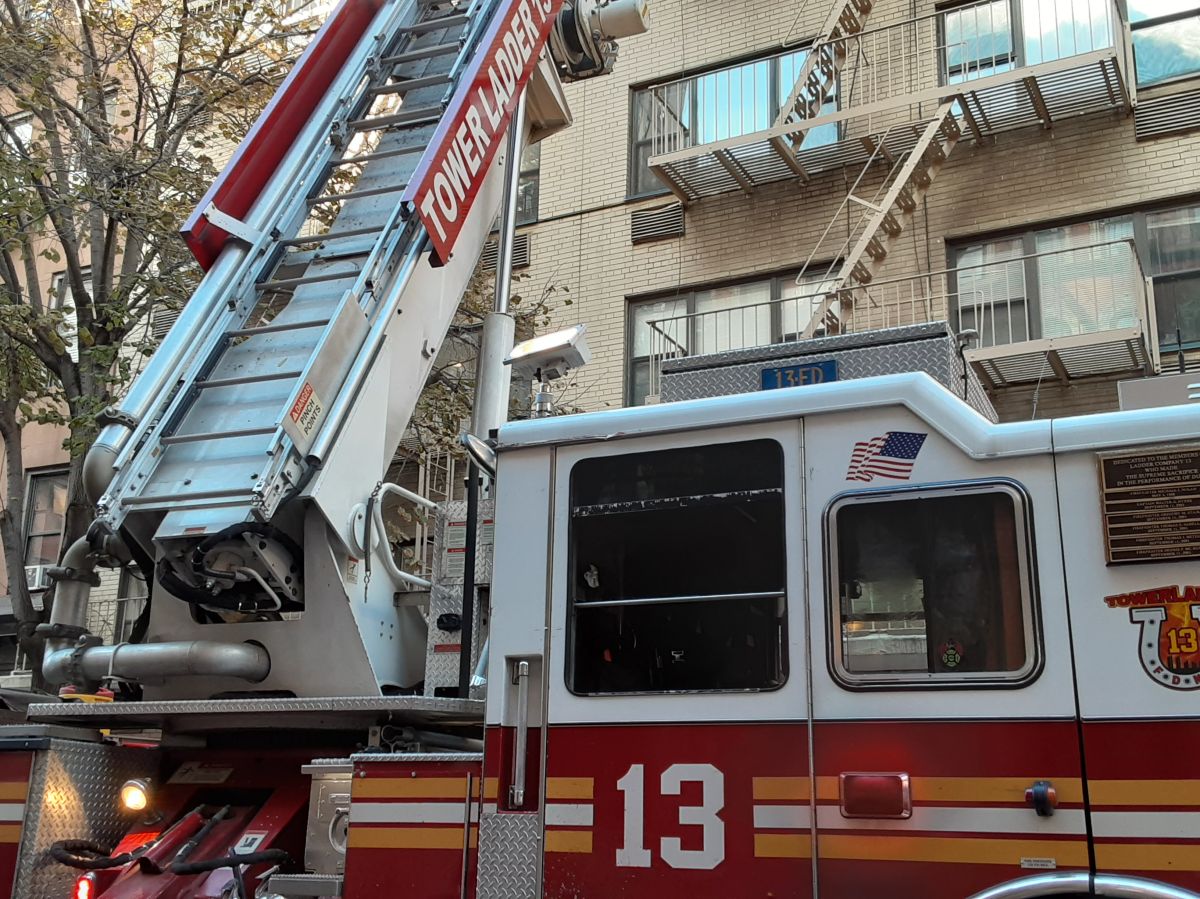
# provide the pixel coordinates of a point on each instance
(885, 219)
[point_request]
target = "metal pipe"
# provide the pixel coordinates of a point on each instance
(493, 379)
(65, 660)
(155, 661)
(516, 790)
(467, 634)
(508, 212)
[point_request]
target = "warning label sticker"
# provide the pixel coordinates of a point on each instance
(307, 409)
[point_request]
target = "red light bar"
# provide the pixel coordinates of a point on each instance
(873, 795)
(85, 887)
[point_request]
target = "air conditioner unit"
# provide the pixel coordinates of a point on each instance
(36, 577)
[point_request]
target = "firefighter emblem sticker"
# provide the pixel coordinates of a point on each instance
(1169, 632)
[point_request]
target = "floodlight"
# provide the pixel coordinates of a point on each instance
(551, 355)
(135, 795)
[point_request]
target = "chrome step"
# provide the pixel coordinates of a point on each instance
(355, 195)
(247, 379)
(291, 283)
(277, 329)
(421, 53)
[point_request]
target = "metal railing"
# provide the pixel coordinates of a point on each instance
(1055, 293)
(950, 47)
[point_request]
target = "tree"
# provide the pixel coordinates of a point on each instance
(114, 117)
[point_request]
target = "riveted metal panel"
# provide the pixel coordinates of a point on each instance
(510, 855)
(77, 783)
(443, 646)
(931, 348)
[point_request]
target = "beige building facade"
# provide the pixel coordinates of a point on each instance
(1062, 226)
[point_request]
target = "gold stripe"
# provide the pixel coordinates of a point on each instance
(782, 845)
(491, 787)
(569, 787)
(1067, 853)
(1147, 857)
(989, 789)
(409, 788)
(410, 838)
(568, 841)
(786, 788)
(1144, 792)
(14, 790)
(10, 833)
(967, 789)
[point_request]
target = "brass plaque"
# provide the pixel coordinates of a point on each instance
(1151, 504)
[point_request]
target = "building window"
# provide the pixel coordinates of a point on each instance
(131, 601)
(931, 586)
(1082, 278)
(723, 103)
(715, 320)
(22, 126)
(650, 611)
(528, 183)
(1173, 255)
(46, 509)
(993, 36)
(1166, 39)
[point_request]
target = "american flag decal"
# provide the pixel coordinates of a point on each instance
(890, 456)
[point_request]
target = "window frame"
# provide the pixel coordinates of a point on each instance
(1016, 56)
(1030, 596)
(776, 283)
(775, 87)
(1139, 217)
(786, 624)
(27, 525)
(1154, 22)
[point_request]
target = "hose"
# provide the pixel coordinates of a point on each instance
(274, 856)
(87, 856)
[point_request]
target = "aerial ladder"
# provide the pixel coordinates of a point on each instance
(243, 470)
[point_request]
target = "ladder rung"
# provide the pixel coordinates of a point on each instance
(275, 329)
(355, 194)
(378, 123)
(382, 154)
(247, 379)
(327, 237)
(435, 24)
(215, 435)
(410, 84)
(421, 53)
(289, 283)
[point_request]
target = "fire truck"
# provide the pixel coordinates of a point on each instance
(784, 633)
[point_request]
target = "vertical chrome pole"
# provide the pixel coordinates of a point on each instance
(492, 377)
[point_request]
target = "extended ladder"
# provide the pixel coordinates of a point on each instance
(266, 380)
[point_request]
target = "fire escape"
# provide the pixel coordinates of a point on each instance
(892, 103)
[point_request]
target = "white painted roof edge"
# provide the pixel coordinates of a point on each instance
(944, 412)
(917, 391)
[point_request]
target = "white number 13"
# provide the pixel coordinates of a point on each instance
(634, 854)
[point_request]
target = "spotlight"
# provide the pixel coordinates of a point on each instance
(135, 795)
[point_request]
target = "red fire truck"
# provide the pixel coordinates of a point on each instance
(845, 639)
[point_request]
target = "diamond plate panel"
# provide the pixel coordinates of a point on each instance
(510, 855)
(441, 661)
(930, 348)
(78, 784)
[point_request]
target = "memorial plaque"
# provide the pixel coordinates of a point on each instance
(1151, 504)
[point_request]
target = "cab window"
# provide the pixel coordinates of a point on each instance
(932, 586)
(677, 571)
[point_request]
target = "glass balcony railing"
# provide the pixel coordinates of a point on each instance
(1073, 295)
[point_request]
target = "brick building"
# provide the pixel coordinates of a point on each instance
(1023, 169)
